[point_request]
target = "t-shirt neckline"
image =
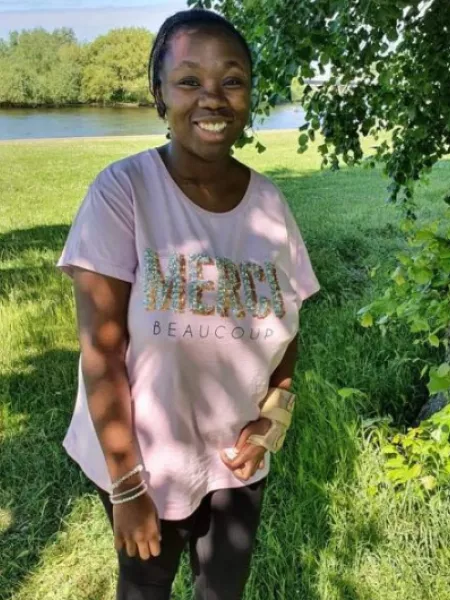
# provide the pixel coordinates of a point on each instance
(229, 213)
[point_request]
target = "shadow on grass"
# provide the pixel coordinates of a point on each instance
(39, 483)
(15, 243)
(349, 230)
(33, 253)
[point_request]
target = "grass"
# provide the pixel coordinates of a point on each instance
(329, 530)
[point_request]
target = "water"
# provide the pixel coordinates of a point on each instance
(98, 122)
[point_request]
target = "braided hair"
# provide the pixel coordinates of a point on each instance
(174, 24)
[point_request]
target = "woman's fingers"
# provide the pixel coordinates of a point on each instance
(248, 470)
(144, 550)
(155, 539)
(118, 543)
(243, 437)
(237, 463)
(247, 462)
(155, 545)
(131, 548)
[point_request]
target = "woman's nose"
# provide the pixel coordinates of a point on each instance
(213, 98)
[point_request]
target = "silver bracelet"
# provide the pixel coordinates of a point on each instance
(126, 492)
(138, 469)
(130, 498)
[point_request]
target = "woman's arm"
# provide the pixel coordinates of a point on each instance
(102, 307)
(283, 374)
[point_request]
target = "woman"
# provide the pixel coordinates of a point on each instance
(189, 272)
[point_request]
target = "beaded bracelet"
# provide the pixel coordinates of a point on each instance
(130, 498)
(138, 469)
(126, 492)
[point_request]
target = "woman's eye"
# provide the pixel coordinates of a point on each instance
(233, 82)
(190, 82)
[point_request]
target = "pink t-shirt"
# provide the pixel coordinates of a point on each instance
(214, 304)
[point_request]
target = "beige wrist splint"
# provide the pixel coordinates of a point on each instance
(277, 406)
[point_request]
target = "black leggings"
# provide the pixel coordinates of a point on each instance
(220, 533)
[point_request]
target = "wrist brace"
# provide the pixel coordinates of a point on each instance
(277, 406)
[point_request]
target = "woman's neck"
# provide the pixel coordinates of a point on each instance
(193, 169)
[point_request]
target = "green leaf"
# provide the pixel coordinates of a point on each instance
(436, 435)
(414, 471)
(404, 259)
(367, 320)
(389, 449)
(303, 139)
(429, 482)
(423, 276)
(438, 384)
(397, 475)
(395, 463)
(433, 340)
(398, 276)
(348, 392)
(424, 371)
(419, 325)
(424, 235)
(443, 370)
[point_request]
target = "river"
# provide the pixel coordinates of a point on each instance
(97, 122)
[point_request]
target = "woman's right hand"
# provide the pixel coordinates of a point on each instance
(137, 527)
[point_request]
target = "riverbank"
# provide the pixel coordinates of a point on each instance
(97, 122)
(114, 138)
(7, 106)
(332, 528)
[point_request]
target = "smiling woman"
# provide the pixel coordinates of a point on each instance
(189, 274)
(201, 83)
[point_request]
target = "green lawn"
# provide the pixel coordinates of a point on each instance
(330, 531)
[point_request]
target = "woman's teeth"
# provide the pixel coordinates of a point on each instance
(216, 127)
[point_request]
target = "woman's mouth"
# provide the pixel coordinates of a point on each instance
(213, 127)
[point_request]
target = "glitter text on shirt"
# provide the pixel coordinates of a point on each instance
(183, 285)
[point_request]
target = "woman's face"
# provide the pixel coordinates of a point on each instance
(206, 87)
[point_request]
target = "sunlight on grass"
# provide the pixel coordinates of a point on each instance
(79, 560)
(330, 529)
(6, 520)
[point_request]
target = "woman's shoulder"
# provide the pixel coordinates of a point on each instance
(125, 172)
(263, 184)
(268, 191)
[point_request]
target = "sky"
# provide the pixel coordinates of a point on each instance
(88, 18)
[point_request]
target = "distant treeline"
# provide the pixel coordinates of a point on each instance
(39, 68)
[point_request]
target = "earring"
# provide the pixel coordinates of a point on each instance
(164, 111)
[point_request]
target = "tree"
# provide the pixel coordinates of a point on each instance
(116, 67)
(38, 67)
(42, 68)
(388, 63)
(388, 68)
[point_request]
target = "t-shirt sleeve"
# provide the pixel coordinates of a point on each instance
(302, 276)
(102, 236)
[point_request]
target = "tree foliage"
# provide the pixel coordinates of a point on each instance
(388, 63)
(116, 69)
(38, 67)
(42, 68)
(387, 70)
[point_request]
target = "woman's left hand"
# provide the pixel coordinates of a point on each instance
(250, 458)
